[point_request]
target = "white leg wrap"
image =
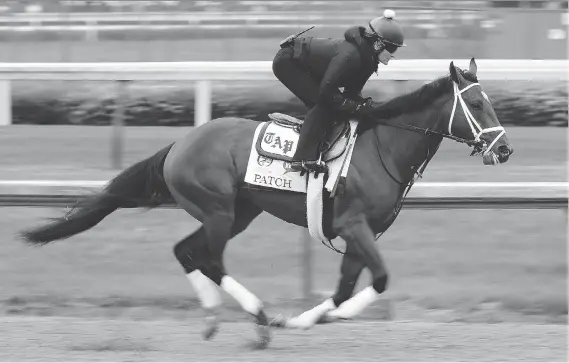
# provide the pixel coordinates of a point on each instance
(249, 302)
(356, 304)
(310, 317)
(205, 289)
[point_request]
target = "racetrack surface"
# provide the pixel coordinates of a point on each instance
(70, 339)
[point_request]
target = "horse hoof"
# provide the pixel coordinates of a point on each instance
(264, 332)
(329, 318)
(212, 327)
(278, 321)
(326, 319)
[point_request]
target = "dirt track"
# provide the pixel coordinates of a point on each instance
(71, 339)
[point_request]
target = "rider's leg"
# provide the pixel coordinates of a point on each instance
(300, 82)
(297, 79)
(314, 128)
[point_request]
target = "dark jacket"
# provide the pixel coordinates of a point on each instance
(347, 63)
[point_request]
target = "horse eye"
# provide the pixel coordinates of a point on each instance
(477, 105)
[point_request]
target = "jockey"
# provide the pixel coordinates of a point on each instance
(314, 69)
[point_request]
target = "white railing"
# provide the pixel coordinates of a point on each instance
(421, 189)
(398, 69)
(203, 73)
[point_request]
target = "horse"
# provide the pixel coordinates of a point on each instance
(204, 174)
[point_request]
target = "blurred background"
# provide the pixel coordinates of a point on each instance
(141, 30)
(469, 265)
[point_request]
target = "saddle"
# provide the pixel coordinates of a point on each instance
(334, 145)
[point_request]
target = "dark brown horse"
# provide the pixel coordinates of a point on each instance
(204, 173)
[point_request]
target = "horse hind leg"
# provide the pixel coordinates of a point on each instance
(191, 253)
(221, 227)
(245, 213)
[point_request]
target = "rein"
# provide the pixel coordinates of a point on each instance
(430, 132)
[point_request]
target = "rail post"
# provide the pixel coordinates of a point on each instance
(202, 103)
(117, 137)
(5, 102)
(307, 262)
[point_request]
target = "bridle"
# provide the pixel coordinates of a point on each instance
(475, 127)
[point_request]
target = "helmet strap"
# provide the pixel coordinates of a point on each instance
(373, 30)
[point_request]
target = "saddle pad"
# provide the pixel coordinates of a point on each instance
(267, 172)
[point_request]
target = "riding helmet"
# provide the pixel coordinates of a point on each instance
(387, 29)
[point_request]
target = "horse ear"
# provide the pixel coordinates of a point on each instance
(473, 67)
(453, 73)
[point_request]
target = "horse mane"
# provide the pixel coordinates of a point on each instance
(420, 98)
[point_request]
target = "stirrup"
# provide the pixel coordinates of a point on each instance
(307, 166)
(295, 166)
(315, 166)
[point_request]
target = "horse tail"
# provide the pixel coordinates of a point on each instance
(140, 185)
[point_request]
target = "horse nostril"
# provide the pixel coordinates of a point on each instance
(505, 150)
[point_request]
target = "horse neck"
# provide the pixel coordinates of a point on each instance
(408, 149)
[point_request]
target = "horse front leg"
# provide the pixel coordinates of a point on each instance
(350, 270)
(357, 233)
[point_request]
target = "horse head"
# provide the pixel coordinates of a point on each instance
(472, 117)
